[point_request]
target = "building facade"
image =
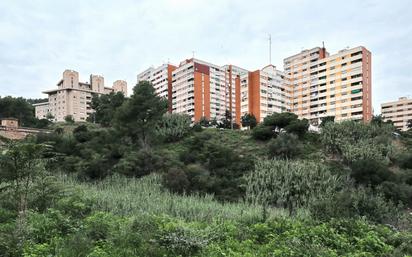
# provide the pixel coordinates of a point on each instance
(314, 84)
(399, 112)
(336, 85)
(73, 97)
(201, 89)
(161, 79)
(264, 92)
(41, 110)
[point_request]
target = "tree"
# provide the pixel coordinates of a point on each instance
(18, 108)
(204, 122)
(325, 120)
(49, 116)
(69, 119)
(298, 127)
(377, 120)
(226, 122)
(409, 124)
(141, 113)
(262, 132)
(105, 107)
(20, 164)
(249, 120)
(279, 121)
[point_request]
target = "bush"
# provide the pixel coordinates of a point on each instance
(176, 180)
(285, 146)
(279, 121)
(69, 119)
(262, 132)
(140, 163)
(81, 133)
(370, 172)
(397, 192)
(298, 127)
(174, 127)
(405, 161)
(290, 184)
(354, 141)
(355, 203)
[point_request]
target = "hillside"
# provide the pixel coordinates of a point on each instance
(147, 183)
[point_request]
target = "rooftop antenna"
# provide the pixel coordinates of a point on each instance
(270, 49)
(323, 44)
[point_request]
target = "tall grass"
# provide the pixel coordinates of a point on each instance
(145, 196)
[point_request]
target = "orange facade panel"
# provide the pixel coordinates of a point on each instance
(170, 69)
(237, 99)
(206, 96)
(254, 93)
(366, 85)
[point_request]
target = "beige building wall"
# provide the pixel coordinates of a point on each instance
(336, 85)
(120, 86)
(73, 97)
(399, 112)
(10, 122)
(41, 110)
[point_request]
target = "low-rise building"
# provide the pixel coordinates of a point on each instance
(399, 112)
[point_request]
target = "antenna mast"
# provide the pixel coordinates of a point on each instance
(270, 49)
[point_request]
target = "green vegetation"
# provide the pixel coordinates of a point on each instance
(22, 110)
(141, 182)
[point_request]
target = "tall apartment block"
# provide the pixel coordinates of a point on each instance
(73, 97)
(201, 89)
(399, 112)
(161, 79)
(314, 84)
(336, 85)
(263, 92)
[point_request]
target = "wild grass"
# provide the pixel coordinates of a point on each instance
(137, 197)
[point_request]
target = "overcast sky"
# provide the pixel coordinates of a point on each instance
(118, 39)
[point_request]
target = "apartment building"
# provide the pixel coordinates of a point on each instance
(73, 97)
(161, 79)
(41, 110)
(201, 89)
(336, 85)
(263, 92)
(314, 84)
(399, 112)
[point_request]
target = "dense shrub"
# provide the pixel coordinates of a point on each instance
(262, 132)
(353, 141)
(370, 172)
(405, 161)
(290, 184)
(140, 163)
(355, 203)
(176, 180)
(279, 121)
(298, 127)
(174, 127)
(285, 146)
